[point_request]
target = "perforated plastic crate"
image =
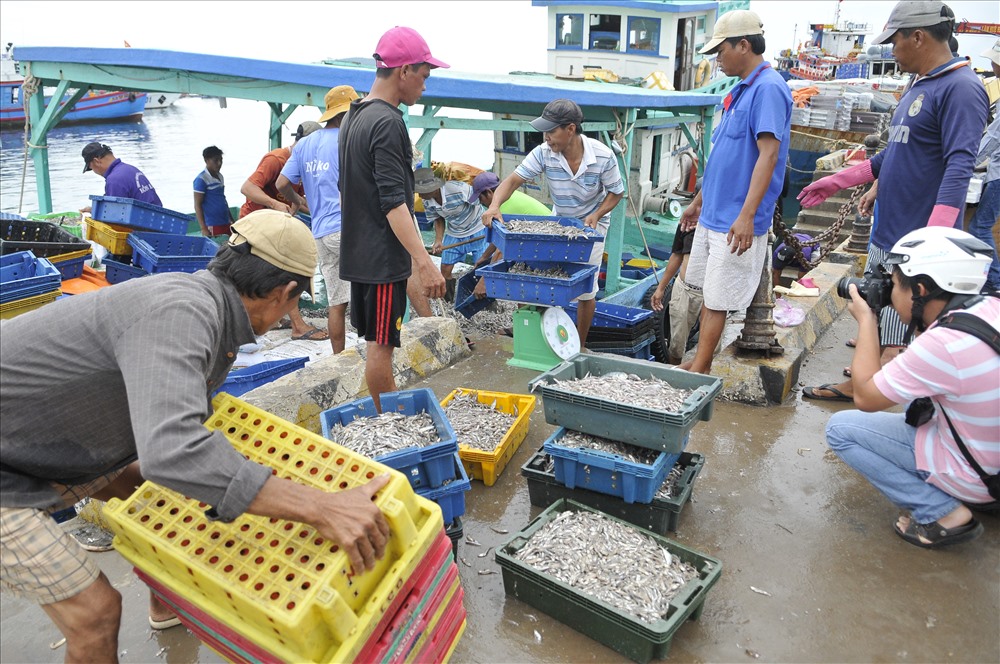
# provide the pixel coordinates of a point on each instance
(487, 466)
(23, 306)
(241, 381)
(160, 252)
(137, 214)
(89, 280)
(111, 237)
(278, 583)
(450, 496)
(660, 516)
(542, 246)
(599, 620)
(645, 427)
(613, 315)
(608, 473)
(425, 467)
(501, 284)
(70, 265)
(639, 350)
(42, 238)
(438, 639)
(466, 303)
(22, 275)
(116, 272)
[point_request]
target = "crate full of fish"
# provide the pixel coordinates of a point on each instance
(660, 516)
(538, 238)
(277, 583)
(162, 252)
(411, 435)
(134, 214)
(490, 427)
(623, 586)
(450, 496)
(606, 466)
(632, 401)
(550, 284)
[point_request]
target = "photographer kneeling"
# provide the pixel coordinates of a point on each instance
(952, 378)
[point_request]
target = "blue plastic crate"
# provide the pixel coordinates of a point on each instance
(465, 302)
(538, 290)
(241, 381)
(451, 496)
(72, 268)
(137, 214)
(116, 272)
(23, 275)
(543, 247)
(423, 222)
(607, 473)
(163, 252)
(425, 467)
(638, 351)
(613, 315)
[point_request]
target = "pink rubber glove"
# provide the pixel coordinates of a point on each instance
(824, 188)
(943, 215)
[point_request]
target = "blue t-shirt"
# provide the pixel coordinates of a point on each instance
(315, 163)
(214, 206)
(761, 104)
(125, 181)
(933, 140)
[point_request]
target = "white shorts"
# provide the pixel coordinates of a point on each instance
(728, 282)
(337, 291)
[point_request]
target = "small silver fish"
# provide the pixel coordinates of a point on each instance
(485, 572)
(484, 553)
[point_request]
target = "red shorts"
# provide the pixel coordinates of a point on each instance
(377, 311)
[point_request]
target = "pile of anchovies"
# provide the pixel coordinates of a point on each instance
(554, 272)
(629, 389)
(609, 561)
(633, 453)
(668, 489)
(389, 432)
(546, 228)
(479, 425)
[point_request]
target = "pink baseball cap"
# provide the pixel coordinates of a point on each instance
(403, 46)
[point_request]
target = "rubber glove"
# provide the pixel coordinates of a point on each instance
(943, 215)
(824, 188)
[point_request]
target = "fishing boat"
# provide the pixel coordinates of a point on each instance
(91, 106)
(158, 100)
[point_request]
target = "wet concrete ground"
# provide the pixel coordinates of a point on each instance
(773, 504)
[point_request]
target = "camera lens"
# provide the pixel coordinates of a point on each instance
(844, 286)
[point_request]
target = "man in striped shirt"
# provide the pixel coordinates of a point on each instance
(583, 178)
(920, 466)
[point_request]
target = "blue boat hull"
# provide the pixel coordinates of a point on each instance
(94, 107)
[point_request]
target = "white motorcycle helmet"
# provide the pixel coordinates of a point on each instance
(956, 261)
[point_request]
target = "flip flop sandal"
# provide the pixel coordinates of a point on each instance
(164, 624)
(847, 371)
(851, 343)
(810, 393)
(311, 335)
(937, 535)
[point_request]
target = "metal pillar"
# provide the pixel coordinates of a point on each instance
(758, 326)
(278, 117)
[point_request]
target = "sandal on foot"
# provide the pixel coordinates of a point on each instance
(851, 343)
(314, 334)
(164, 624)
(810, 393)
(847, 371)
(937, 535)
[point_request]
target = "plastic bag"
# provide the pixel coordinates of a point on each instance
(787, 314)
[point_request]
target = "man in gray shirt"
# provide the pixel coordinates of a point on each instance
(105, 389)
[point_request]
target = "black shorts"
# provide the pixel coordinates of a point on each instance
(377, 311)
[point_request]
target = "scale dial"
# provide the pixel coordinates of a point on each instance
(560, 333)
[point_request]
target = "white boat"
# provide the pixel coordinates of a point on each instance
(155, 100)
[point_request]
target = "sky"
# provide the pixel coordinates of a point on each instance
(476, 36)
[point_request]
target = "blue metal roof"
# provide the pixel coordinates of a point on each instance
(502, 93)
(670, 6)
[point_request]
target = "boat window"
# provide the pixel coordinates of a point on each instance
(15, 94)
(511, 140)
(701, 24)
(643, 34)
(569, 30)
(605, 32)
(532, 139)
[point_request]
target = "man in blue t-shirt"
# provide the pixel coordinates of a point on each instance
(743, 179)
(120, 179)
(315, 162)
(210, 206)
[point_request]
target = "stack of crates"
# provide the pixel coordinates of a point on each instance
(45, 239)
(142, 238)
(26, 283)
(621, 330)
(435, 471)
(541, 251)
(264, 590)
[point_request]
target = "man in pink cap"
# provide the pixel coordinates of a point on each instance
(381, 244)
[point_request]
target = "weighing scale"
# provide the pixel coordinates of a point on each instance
(543, 337)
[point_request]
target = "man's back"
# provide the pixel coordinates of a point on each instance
(266, 176)
(126, 181)
(315, 163)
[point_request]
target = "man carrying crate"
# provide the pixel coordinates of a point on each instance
(108, 388)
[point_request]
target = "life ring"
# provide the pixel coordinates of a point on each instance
(703, 73)
(131, 96)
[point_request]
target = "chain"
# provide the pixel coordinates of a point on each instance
(28, 88)
(830, 235)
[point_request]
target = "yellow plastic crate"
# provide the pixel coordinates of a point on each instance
(110, 236)
(18, 307)
(487, 466)
(71, 255)
(276, 582)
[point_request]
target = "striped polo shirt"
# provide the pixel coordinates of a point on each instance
(461, 217)
(576, 194)
(962, 374)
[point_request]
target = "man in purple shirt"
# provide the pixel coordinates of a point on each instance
(120, 179)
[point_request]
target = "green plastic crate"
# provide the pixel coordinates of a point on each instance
(645, 427)
(600, 621)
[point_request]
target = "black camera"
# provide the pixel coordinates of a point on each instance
(875, 288)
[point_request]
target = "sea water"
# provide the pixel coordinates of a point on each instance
(166, 145)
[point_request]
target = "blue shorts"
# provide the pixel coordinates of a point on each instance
(455, 255)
